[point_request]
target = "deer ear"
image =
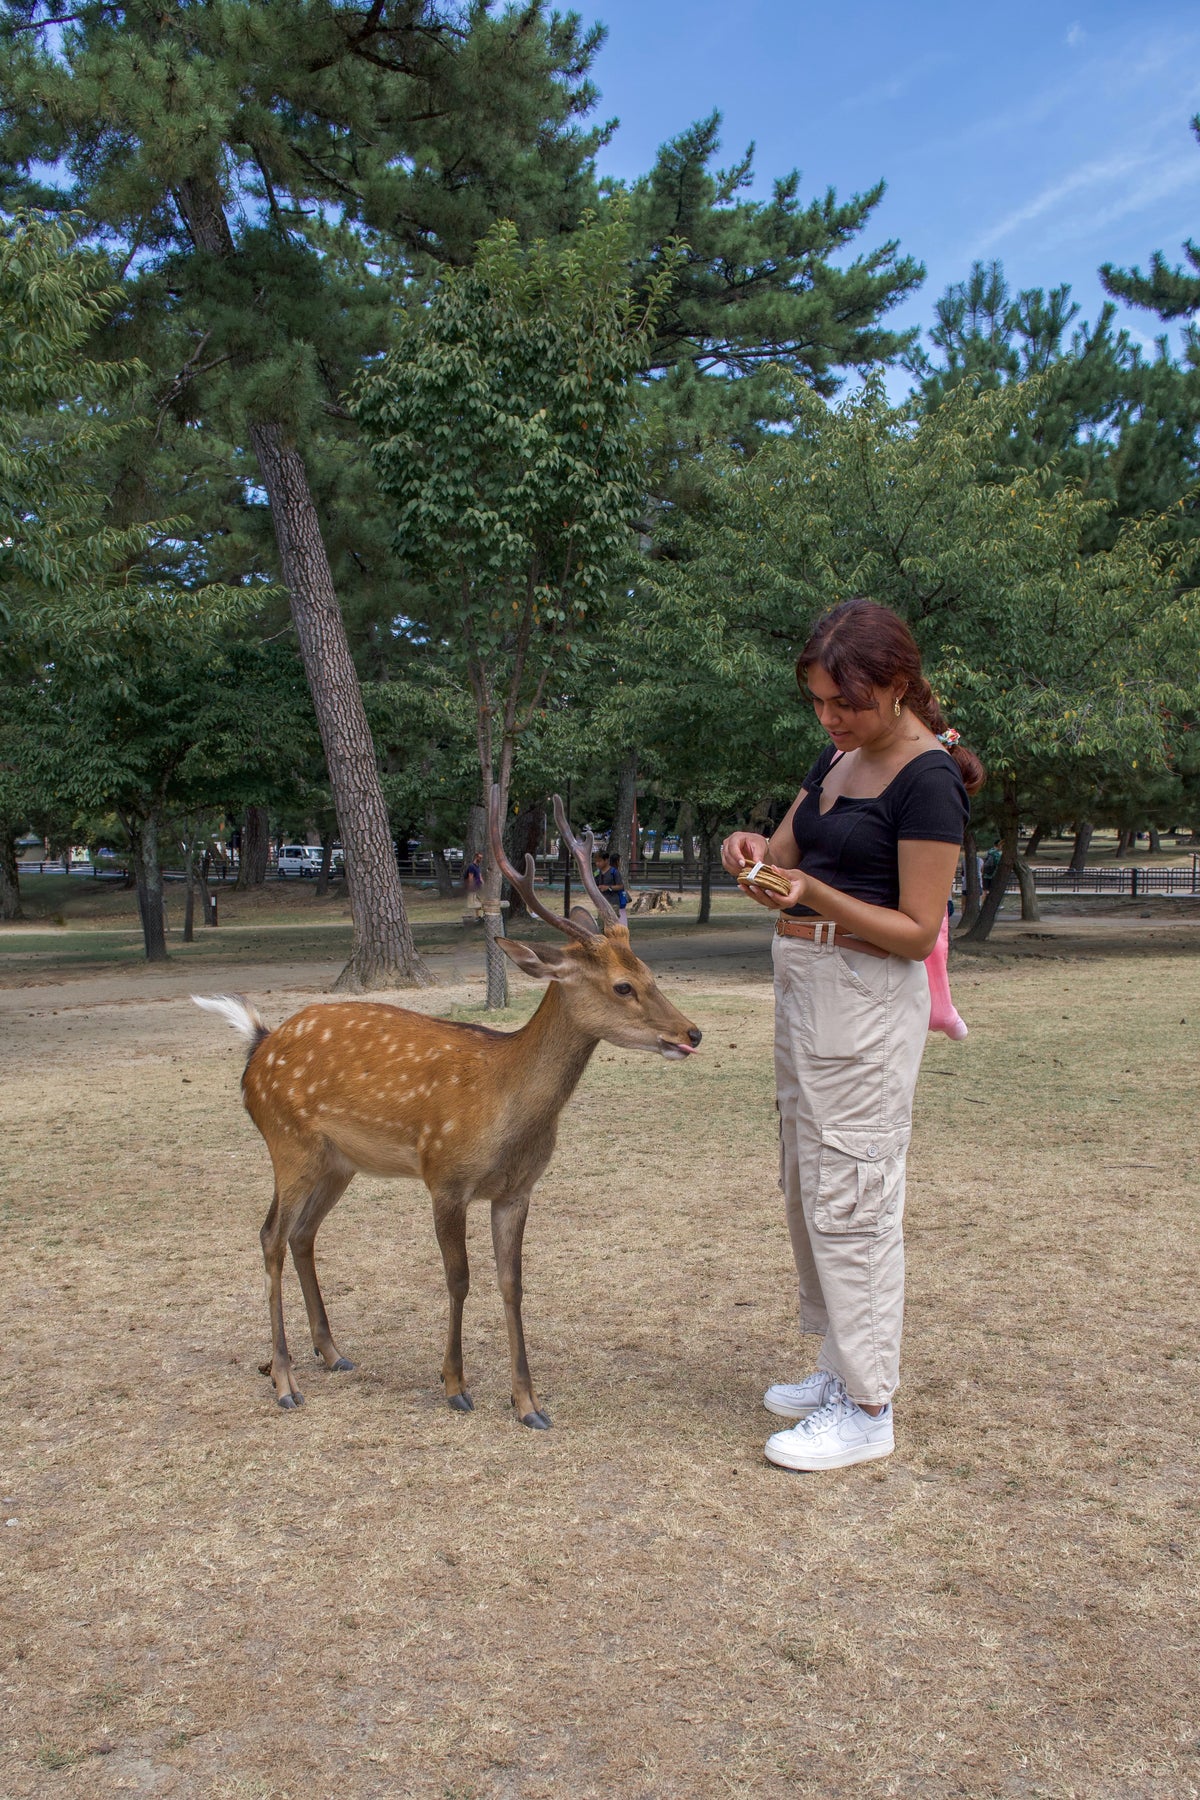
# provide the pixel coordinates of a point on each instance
(588, 920)
(544, 962)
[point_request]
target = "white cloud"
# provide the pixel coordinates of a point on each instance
(1086, 176)
(894, 87)
(1076, 36)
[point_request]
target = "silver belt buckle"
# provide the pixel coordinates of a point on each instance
(823, 933)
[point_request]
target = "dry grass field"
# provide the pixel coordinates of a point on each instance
(375, 1597)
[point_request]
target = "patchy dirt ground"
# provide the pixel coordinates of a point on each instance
(375, 1597)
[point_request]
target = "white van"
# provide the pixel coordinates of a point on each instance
(299, 859)
(305, 859)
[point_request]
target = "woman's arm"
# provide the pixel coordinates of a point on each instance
(926, 875)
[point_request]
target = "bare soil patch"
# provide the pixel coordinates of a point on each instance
(376, 1597)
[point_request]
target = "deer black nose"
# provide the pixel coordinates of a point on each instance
(695, 1034)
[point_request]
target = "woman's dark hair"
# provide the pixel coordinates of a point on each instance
(614, 859)
(862, 645)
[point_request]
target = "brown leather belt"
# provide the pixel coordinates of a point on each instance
(827, 934)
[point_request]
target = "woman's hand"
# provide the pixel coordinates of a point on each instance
(740, 848)
(795, 896)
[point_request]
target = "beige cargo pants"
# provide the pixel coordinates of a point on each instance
(850, 1032)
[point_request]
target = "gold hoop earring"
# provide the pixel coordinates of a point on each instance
(896, 706)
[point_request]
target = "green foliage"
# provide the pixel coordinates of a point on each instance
(61, 416)
(1173, 292)
(501, 430)
(1045, 658)
(1101, 413)
(762, 285)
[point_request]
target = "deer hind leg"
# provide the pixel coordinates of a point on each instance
(273, 1238)
(450, 1223)
(508, 1232)
(306, 1224)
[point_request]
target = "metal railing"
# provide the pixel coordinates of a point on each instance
(1136, 882)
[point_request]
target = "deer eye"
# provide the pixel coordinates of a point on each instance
(623, 987)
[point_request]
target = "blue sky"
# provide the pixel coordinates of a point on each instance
(1054, 136)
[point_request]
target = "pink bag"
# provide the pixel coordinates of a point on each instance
(943, 1015)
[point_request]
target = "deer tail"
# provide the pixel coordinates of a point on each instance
(236, 1012)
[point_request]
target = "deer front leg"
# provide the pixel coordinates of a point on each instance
(508, 1230)
(273, 1238)
(450, 1223)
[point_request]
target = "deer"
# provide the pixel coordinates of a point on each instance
(471, 1111)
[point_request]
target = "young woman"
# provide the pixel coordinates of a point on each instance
(869, 849)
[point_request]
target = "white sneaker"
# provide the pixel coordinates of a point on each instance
(836, 1435)
(796, 1400)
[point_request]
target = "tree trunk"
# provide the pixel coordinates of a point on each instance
(436, 840)
(972, 891)
(1030, 911)
(522, 837)
(1009, 838)
(382, 953)
(10, 880)
(1124, 841)
(1083, 838)
(1155, 840)
(255, 850)
(143, 835)
(475, 840)
(706, 862)
(495, 961)
(1036, 836)
(326, 864)
(684, 827)
(200, 883)
(656, 832)
(620, 838)
(189, 904)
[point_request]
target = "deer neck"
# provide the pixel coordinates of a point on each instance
(554, 1050)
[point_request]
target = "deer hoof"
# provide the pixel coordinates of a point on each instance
(290, 1402)
(461, 1402)
(537, 1421)
(341, 1366)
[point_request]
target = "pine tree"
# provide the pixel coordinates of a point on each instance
(1124, 425)
(220, 150)
(763, 286)
(1173, 292)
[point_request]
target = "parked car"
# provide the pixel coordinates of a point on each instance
(305, 859)
(299, 859)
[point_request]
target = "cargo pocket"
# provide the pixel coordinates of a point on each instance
(860, 1183)
(849, 1007)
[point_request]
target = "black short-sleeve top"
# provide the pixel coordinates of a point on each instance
(853, 846)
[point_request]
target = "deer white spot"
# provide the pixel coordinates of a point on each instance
(270, 1058)
(325, 1036)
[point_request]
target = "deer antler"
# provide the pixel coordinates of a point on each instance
(524, 883)
(582, 853)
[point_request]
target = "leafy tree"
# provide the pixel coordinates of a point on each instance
(502, 433)
(63, 562)
(61, 414)
(166, 724)
(1048, 660)
(263, 173)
